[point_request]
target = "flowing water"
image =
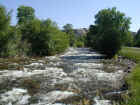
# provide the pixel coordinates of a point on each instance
(66, 79)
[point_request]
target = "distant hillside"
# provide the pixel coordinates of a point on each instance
(80, 32)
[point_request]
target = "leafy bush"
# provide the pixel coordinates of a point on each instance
(110, 42)
(39, 38)
(137, 39)
(80, 41)
(110, 31)
(25, 14)
(129, 39)
(91, 36)
(13, 40)
(8, 35)
(68, 28)
(44, 37)
(131, 53)
(79, 44)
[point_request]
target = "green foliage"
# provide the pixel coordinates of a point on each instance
(91, 36)
(134, 78)
(9, 42)
(80, 41)
(134, 81)
(13, 40)
(23, 48)
(31, 36)
(131, 53)
(44, 37)
(109, 42)
(137, 39)
(79, 44)
(110, 31)
(68, 28)
(4, 19)
(111, 18)
(129, 39)
(7, 34)
(57, 41)
(25, 14)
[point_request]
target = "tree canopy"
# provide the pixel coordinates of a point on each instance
(25, 14)
(4, 19)
(4, 29)
(109, 32)
(68, 28)
(32, 36)
(112, 18)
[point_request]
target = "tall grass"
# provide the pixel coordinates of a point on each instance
(131, 53)
(134, 78)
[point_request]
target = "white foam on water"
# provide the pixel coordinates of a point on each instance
(101, 102)
(16, 95)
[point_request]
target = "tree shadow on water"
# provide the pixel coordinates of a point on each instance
(82, 57)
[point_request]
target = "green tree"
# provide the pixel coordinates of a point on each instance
(44, 37)
(4, 19)
(30, 32)
(111, 18)
(68, 28)
(129, 40)
(80, 41)
(91, 36)
(13, 41)
(112, 26)
(110, 42)
(25, 14)
(4, 29)
(137, 39)
(57, 41)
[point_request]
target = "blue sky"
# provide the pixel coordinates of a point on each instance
(80, 13)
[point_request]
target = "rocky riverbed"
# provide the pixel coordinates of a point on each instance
(77, 77)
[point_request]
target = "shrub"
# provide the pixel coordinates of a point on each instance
(110, 42)
(8, 35)
(44, 37)
(110, 31)
(13, 40)
(68, 28)
(79, 44)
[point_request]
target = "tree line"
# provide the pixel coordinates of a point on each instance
(32, 36)
(111, 32)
